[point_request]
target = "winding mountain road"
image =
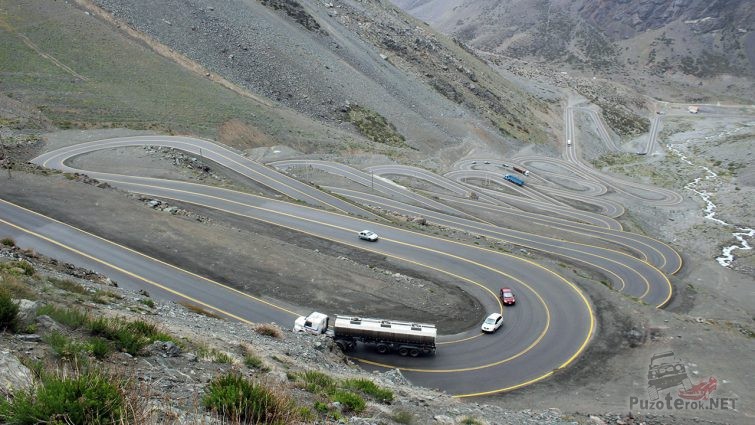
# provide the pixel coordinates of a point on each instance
(548, 329)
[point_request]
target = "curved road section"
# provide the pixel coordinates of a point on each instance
(548, 329)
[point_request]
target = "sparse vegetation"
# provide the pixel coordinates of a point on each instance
(243, 401)
(198, 309)
(8, 311)
(67, 285)
(369, 388)
(268, 329)
(351, 401)
(9, 242)
(374, 126)
(91, 397)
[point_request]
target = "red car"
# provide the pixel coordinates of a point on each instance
(507, 296)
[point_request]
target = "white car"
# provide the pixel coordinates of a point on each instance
(492, 323)
(368, 236)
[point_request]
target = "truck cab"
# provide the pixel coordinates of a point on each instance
(315, 323)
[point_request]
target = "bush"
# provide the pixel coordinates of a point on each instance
(70, 317)
(8, 311)
(28, 269)
(9, 242)
(100, 348)
(89, 398)
(369, 388)
(349, 400)
(64, 347)
(253, 362)
(317, 382)
(243, 401)
(267, 329)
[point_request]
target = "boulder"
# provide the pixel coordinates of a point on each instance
(48, 324)
(13, 375)
(27, 312)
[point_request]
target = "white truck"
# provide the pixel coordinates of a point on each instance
(405, 338)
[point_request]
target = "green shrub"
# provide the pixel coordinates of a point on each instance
(349, 400)
(240, 400)
(7, 242)
(71, 317)
(148, 302)
(321, 407)
(100, 348)
(317, 382)
(468, 420)
(89, 398)
(8, 311)
(369, 388)
(253, 362)
(26, 268)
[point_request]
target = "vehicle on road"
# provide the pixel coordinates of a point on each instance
(492, 323)
(368, 235)
(568, 142)
(522, 170)
(666, 371)
(507, 296)
(513, 179)
(405, 338)
(316, 323)
(487, 162)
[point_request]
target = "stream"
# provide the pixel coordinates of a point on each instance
(741, 234)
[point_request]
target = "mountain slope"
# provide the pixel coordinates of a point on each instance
(701, 38)
(319, 58)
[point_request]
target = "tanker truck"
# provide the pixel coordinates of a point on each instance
(404, 338)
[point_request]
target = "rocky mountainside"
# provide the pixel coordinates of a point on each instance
(700, 38)
(322, 58)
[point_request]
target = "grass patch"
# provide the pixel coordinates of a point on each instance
(349, 400)
(8, 311)
(369, 388)
(214, 355)
(374, 126)
(71, 317)
(91, 397)
(198, 309)
(317, 382)
(9, 242)
(17, 288)
(267, 329)
(242, 401)
(65, 347)
(17, 268)
(148, 302)
(100, 348)
(68, 285)
(468, 420)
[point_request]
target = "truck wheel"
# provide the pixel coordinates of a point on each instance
(403, 351)
(414, 352)
(351, 345)
(382, 348)
(342, 345)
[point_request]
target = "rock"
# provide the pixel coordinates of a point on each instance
(443, 419)
(13, 375)
(596, 420)
(420, 220)
(47, 323)
(278, 377)
(29, 337)
(153, 203)
(27, 312)
(190, 357)
(164, 348)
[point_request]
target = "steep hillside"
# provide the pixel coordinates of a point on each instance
(700, 38)
(321, 59)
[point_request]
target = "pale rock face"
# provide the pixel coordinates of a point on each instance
(13, 375)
